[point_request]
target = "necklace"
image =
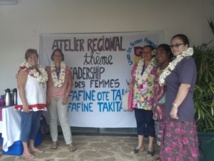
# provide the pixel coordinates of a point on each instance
(40, 74)
(138, 76)
(58, 81)
(159, 71)
(172, 65)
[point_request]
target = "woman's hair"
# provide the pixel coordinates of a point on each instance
(149, 46)
(183, 37)
(30, 52)
(58, 51)
(166, 47)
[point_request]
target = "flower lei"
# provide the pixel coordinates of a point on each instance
(58, 82)
(141, 78)
(41, 75)
(172, 65)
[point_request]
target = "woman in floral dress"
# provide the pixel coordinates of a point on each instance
(163, 56)
(143, 75)
(179, 142)
(58, 89)
(31, 81)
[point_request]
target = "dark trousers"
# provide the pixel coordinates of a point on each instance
(145, 122)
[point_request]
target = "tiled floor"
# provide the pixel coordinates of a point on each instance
(90, 148)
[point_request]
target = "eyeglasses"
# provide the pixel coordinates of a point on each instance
(176, 45)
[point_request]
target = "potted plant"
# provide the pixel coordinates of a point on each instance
(204, 99)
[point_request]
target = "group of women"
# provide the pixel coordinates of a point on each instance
(163, 85)
(163, 91)
(39, 88)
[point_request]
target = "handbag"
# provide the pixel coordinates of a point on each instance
(44, 128)
(127, 101)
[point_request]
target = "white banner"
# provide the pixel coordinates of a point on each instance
(101, 66)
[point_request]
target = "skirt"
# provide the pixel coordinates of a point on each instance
(179, 141)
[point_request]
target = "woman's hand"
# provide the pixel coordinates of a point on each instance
(174, 113)
(131, 85)
(65, 100)
(181, 95)
(26, 108)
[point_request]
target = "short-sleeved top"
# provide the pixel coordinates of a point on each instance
(184, 72)
(53, 91)
(144, 93)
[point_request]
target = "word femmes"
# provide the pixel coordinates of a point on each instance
(93, 45)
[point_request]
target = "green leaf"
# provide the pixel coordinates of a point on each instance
(204, 87)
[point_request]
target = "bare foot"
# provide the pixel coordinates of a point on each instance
(28, 156)
(36, 150)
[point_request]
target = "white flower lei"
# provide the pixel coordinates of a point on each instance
(172, 65)
(41, 76)
(58, 82)
(141, 78)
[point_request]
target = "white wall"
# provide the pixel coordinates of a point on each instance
(21, 24)
(208, 13)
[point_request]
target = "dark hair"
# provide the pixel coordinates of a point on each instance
(149, 46)
(30, 52)
(166, 47)
(183, 37)
(59, 50)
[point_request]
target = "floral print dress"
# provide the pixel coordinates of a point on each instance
(179, 140)
(143, 93)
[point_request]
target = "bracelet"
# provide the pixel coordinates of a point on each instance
(175, 105)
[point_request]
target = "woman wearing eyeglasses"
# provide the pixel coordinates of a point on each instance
(59, 86)
(179, 140)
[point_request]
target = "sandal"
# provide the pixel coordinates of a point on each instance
(72, 147)
(135, 150)
(150, 154)
(54, 145)
(30, 157)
